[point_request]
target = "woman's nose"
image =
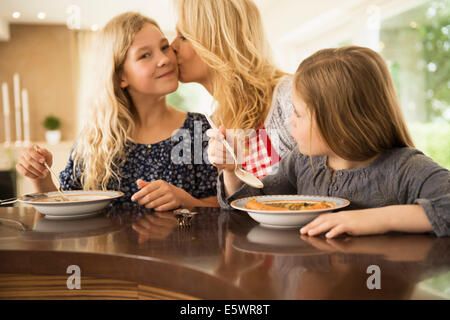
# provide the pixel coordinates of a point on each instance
(174, 45)
(291, 123)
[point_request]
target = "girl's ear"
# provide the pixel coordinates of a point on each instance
(123, 80)
(123, 83)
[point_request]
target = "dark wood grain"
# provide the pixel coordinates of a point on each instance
(138, 254)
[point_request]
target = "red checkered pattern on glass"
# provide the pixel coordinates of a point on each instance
(261, 155)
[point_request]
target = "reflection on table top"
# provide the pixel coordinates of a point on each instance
(224, 255)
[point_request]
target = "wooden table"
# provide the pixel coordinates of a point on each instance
(137, 254)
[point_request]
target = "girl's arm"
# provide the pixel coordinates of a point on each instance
(406, 218)
(163, 196)
(207, 202)
(45, 185)
(424, 187)
(402, 218)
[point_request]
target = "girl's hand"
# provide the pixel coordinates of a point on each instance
(31, 163)
(155, 226)
(218, 155)
(159, 195)
(355, 223)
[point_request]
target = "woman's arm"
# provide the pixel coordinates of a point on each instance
(402, 218)
(231, 182)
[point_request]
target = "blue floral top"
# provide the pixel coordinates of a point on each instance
(180, 160)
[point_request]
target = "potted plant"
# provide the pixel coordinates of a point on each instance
(53, 134)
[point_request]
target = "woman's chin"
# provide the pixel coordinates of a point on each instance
(183, 79)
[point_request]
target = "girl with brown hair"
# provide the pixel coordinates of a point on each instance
(353, 143)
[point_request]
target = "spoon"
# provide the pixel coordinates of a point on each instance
(64, 198)
(243, 175)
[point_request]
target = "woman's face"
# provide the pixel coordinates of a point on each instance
(191, 67)
(309, 141)
(150, 67)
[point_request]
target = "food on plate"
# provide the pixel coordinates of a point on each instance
(56, 199)
(288, 205)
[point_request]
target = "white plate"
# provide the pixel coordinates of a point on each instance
(85, 203)
(287, 219)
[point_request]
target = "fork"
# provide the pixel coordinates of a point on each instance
(56, 177)
(8, 201)
(184, 217)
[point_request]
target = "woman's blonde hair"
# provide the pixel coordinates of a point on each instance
(99, 151)
(228, 35)
(352, 100)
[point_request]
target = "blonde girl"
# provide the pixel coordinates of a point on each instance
(353, 143)
(126, 144)
(221, 45)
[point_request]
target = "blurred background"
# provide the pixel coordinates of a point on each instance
(45, 45)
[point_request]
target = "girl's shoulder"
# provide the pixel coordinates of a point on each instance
(295, 158)
(408, 161)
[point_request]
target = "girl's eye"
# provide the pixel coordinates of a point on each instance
(182, 38)
(164, 48)
(145, 55)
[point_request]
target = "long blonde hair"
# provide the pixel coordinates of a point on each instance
(352, 100)
(228, 35)
(99, 151)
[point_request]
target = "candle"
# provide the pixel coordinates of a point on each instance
(26, 117)
(16, 81)
(6, 113)
(17, 107)
(5, 99)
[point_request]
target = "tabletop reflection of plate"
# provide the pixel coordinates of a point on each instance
(289, 218)
(274, 241)
(78, 226)
(82, 203)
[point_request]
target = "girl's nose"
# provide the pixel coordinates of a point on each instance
(163, 59)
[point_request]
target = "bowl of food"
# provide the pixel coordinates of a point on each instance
(287, 211)
(76, 204)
